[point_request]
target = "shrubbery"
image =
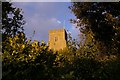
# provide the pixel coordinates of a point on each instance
(23, 59)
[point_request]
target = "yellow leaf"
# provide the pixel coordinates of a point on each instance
(23, 46)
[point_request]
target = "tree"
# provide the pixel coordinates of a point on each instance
(72, 44)
(100, 19)
(12, 19)
(31, 60)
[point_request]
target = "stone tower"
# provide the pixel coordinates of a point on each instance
(57, 39)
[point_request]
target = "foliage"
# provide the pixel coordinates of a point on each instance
(27, 59)
(101, 19)
(12, 19)
(72, 46)
(99, 25)
(33, 60)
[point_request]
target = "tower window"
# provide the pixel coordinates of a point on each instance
(56, 38)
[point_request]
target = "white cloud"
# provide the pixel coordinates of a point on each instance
(59, 21)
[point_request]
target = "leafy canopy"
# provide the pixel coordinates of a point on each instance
(102, 20)
(12, 19)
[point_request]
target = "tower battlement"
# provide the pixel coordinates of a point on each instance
(58, 30)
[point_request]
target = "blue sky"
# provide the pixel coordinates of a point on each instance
(44, 16)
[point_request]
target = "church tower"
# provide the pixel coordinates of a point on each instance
(57, 39)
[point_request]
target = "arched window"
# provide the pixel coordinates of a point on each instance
(56, 39)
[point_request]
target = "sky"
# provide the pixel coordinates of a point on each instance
(44, 16)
